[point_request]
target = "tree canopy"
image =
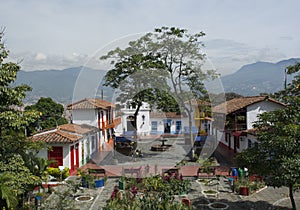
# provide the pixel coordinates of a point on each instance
(277, 155)
(15, 177)
(50, 114)
(164, 63)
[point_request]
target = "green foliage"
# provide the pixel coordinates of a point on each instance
(50, 114)
(55, 172)
(21, 180)
(143, 70)
(253, 186)
(7, 192)
(277, 155)
(38, 166)
(156, 192)
(13, 143)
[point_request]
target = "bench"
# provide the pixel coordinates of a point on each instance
(132, 171)
(171, 171)
(97, 171)
(203, 173)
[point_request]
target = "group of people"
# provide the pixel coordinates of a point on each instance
(237, 173)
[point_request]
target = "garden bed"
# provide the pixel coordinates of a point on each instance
(150, 193)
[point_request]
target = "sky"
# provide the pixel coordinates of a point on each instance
(58, 34)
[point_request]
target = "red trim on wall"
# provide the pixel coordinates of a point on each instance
(72, 159)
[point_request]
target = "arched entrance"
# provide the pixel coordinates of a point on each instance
(130, 123)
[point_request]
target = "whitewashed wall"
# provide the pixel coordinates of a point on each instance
(66, 156)
(143, 126)
(258, 108)
(87, 116)
(83, 143)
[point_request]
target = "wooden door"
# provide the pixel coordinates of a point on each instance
(56, 154)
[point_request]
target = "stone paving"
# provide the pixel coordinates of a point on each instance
(262, 200)
(177, 152)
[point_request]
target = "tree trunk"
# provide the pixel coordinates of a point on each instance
(135, 119)
(292, 197)
(191, 133)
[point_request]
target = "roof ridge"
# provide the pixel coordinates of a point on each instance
(77, 102)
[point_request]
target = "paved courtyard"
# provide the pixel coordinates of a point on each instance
(268, 198)
(156, 162)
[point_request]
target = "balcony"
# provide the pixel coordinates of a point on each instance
(236, 127)
(114, 123)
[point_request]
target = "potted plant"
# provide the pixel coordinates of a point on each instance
(241, 186)
(87, 180)
(122, 183)
(100, 182)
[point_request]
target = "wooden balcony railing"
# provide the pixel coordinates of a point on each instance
(114, 123)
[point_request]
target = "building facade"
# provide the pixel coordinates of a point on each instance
(127, 125)
(98, 113)
(72, 145)
(241, 114)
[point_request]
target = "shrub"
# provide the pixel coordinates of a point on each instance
(55, 172)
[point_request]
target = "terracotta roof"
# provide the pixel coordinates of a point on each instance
(56, 136)
(165, 115)
(66, 133)
(242, 102)
(90, 103)
(79, 129)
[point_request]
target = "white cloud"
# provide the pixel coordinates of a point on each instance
(238, 32)
(41, 61)
(40, 56)
(228, 55)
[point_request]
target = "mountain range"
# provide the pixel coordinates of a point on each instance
(259, 77)
(76, 83)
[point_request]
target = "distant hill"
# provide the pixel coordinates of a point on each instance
(60, 84)
(259, 77)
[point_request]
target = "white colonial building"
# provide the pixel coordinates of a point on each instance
(127, 125)
(71, 145)
(241, 113)
(153, 122)
(167, 123)
(90, 131)
(95, 112)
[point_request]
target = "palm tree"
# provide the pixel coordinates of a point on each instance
(8, 197)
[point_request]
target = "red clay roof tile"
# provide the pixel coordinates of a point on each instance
(242, 102)
(90, 103)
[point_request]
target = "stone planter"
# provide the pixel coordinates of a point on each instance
(218, 206)
(210, 193)
(84, 198)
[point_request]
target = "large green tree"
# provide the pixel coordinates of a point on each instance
(169, 55)
(277, 155)
(136, 74)
(13, 142)
(50, 114)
